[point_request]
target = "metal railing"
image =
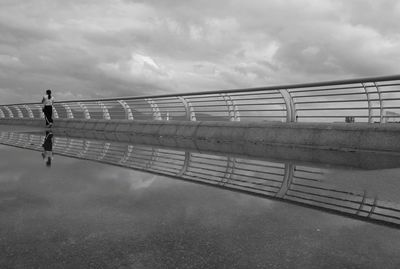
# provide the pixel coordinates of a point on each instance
(301, 185)
(374, 99)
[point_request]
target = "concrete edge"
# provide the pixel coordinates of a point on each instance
(346, 137)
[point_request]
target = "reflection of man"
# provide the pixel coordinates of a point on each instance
(47, 153)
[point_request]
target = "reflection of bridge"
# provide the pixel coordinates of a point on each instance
(301, 185)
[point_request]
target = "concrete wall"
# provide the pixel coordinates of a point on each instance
(343, 137)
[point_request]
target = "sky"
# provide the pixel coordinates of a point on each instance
(102, 48)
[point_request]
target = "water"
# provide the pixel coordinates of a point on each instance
(91, 209)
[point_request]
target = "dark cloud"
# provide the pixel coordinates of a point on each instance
(100, 48)
(378, 15)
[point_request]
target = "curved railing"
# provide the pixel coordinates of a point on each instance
(375, 99)
(301, 185)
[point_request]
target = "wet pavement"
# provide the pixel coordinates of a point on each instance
(84, 211)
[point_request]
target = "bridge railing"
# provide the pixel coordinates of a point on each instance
(374, 99)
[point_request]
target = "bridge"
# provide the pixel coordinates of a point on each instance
(368, 100)
(353, 114)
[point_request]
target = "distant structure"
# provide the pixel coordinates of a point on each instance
(349, 119)
(391, 116)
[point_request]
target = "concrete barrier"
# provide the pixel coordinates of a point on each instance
(329, 136)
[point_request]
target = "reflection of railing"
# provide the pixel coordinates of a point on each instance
(281, 181)
(365, 100)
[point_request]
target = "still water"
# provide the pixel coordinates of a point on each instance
(108, 204)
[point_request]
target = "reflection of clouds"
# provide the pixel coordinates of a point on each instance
(9, 176)
(115, 216)
(141, 182)
(134, 180)
(383, 184)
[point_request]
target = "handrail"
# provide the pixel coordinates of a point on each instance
(276, 87)
(373, 100)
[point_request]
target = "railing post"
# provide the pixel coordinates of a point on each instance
(10, 114)
(287, 180)
(86, 145)
(290, 106)
(380, 103)
(127, 154)
(25, 141)
(127, 109)
(230, 167)
(153, 158)
(362, 203)
(29, 110)
(186, 164)
(55, 113)
(29, 142)
(104, 151)
(190, 114)
(104, 109)
(18, 139)
(8, 137)
(19, 112)
(70, 115)
(154, 109)
(68, 144)
(369, 103)
(85, 110)
(233, 111)
(40, 108)
(374, 204)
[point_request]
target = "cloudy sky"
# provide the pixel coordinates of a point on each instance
(103, 48)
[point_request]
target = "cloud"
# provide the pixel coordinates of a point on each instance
(91, 49)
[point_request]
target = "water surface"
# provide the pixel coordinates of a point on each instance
(81, 213)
